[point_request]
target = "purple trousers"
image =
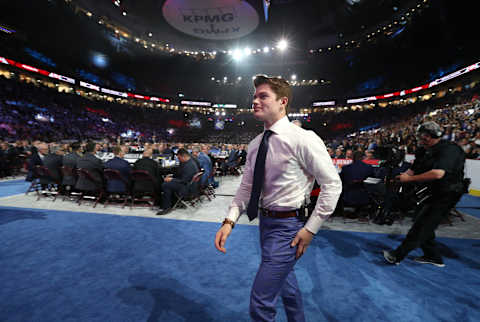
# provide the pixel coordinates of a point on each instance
(275, 276)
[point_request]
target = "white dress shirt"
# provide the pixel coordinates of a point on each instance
(295, 158)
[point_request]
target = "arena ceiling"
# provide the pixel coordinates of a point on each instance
(203, 25)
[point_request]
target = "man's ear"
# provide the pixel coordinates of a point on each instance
(284, 102)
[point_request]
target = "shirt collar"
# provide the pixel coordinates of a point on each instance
(280, 126)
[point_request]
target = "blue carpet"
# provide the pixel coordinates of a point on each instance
(470, 205)
(13, 187)
(67, 266)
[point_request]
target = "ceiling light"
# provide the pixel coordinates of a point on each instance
(124, 13)
(282, 44)
(237, 54)
(266, 49)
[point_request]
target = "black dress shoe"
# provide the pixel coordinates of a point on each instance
(163, 212)
(427, 260)
(390, 258)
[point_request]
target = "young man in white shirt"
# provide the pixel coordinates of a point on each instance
(282, 165)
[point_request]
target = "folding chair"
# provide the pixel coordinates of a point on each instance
(111, 195)
(143, 188)
(96, 193)
(49, 185)
(209, 190)
(192, 194)
(69, 178)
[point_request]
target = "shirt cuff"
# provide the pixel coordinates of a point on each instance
(233, 214)
(314, 223)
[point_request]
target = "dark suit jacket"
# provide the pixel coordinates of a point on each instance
(53, 162)
(232, 158)
(124, 167)
(185, 172)
(243, 157)
(354, 193)
(95, 167)
(33, 161)
(70, 160)
(205, 163)
(151, 167)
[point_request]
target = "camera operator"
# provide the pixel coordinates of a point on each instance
(441, 169)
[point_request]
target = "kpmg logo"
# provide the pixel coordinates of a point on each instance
(226, 17)
(212, 19)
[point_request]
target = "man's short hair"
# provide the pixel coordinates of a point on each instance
(357, 156)
(183, 152)
(75, 146)
(90, 146)
(279, 86)
(117, 150)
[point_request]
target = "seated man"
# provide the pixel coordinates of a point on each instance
(38, 154)
(211, 179)
(94, 166)
(179, 182)
(204, 163)
(146, 163)
(352, 176)
(53, 161)
(242, 154)
(232, 159)
(70, 160)
(120, 164)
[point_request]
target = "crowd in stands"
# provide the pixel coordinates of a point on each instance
(30, 114)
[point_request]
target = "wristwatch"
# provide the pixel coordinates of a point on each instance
(228, 221)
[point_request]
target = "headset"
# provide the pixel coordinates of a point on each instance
(430, 128)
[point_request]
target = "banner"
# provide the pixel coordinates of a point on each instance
(87, 85)
(418, 88)
(62, 78)
(193, 103)
(225, 105)
(328, 103)
(112, 92)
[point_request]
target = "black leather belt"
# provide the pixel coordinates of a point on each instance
(279, 214)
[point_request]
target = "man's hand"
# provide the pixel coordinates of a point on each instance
(221, 237)
(403, 177)
(168, 179)
(302, 239)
